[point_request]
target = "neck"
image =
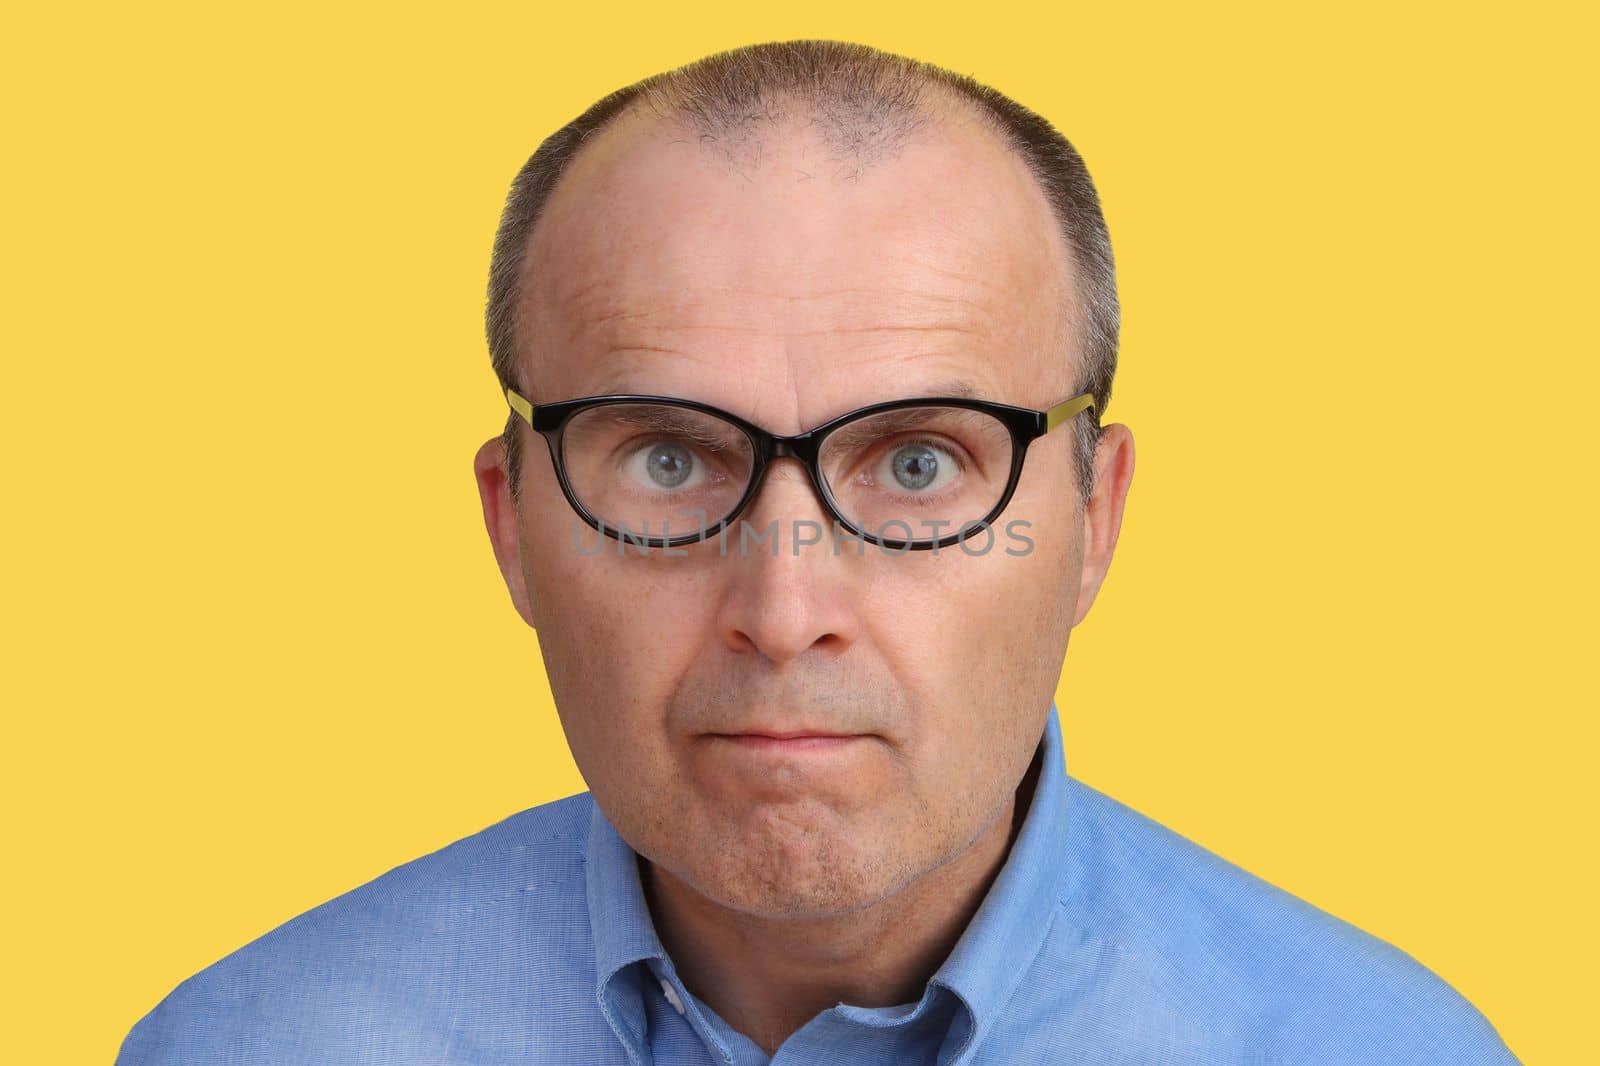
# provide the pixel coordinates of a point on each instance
(766, 977)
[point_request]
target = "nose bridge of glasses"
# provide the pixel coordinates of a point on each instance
(801, 446)
(800, 449)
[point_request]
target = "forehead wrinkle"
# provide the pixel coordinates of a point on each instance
(893, 328)
(617, 321)
(974, 297)
(585, 295)
(620, 371)
(672, 251)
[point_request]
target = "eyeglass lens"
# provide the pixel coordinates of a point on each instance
(914, 473)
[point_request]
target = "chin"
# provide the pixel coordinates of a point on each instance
(790, 881)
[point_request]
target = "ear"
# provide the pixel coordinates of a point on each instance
(1102, 516)
(501, 518)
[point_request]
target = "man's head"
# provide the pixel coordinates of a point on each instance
(790, 232)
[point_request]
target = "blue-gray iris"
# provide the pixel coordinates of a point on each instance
(915, 466)
(669, 465)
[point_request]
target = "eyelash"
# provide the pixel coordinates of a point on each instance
(949, 447)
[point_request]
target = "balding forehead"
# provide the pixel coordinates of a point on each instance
(651, 229)
(856, 131)
(839, 145)
(852, 135)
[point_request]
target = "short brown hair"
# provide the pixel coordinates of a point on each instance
(866, 98)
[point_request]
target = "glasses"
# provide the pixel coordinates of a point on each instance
(894, 474)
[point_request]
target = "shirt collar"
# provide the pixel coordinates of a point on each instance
(1013, 921)
(983, 969)
(619, 919)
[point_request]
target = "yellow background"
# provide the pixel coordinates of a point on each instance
(257, 650)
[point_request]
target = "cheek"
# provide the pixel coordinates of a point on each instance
(950, 622)
(980, 641)
(616, 638)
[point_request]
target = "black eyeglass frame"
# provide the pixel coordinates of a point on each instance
(1026, 426)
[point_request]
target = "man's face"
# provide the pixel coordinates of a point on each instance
(780, 283)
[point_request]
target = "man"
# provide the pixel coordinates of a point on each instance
(817, 340)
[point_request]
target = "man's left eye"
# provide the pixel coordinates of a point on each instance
(916, 466)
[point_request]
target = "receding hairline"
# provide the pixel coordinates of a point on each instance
(790, 116)
(863, 125)
(858, 135)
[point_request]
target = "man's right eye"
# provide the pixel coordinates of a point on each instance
(667, 464)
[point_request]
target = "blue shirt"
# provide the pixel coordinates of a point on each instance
(1105, 938)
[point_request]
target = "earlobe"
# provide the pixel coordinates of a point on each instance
(500, 520)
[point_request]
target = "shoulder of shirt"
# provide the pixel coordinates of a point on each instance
(446, 908)
(1290, 981)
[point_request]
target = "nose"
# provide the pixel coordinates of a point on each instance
(788, 593)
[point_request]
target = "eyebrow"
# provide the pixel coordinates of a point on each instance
(953, 387)
(668, 420)
(893, 422)
(856, 434)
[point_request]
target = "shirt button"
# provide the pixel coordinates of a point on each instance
(672, 995)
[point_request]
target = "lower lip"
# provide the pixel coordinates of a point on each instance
(782, 745)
